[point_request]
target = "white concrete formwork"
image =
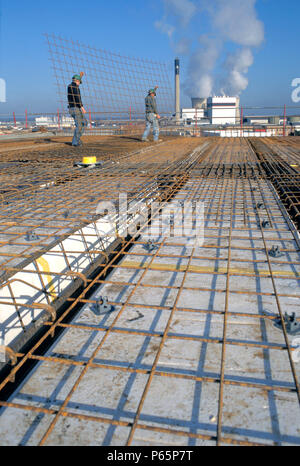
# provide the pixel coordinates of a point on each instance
(55, 267)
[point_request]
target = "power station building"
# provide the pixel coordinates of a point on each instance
(223, 110)
(215, 110)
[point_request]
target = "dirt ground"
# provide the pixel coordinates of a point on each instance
(48, 143)
(60, 150)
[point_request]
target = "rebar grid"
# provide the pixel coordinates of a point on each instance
(231, 182)
(287, 148)
(52, 204)
(284, 176)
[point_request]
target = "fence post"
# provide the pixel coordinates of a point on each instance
(15, 119)
(58, 118)
(130, 122)
(284, 120)
(26, 119)
(242, 121)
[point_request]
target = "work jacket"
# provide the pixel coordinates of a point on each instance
(150, 104)
(74, 96)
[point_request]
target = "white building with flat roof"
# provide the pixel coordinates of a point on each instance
(64, 121)
(223, 110)
(44, 121)
(192, 114)
(257, 120)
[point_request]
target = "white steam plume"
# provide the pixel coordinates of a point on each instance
(201, 64)
(232, 21)
(183, 10)
(236, 20)
(237, 66)
(165, 28)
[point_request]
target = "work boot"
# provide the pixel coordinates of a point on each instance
(145, 140)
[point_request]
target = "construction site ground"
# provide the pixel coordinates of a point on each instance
(192, 346)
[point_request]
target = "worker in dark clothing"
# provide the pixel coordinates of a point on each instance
(76, 108)
(152, 116)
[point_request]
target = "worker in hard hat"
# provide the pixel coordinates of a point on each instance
(76, 108)
(152, 116)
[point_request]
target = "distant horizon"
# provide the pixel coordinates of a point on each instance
(257, 111)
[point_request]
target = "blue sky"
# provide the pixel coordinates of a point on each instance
(127, 27)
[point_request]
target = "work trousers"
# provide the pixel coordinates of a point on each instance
(80, 123)
(151, 121)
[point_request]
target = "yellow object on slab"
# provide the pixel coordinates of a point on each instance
(89, 160)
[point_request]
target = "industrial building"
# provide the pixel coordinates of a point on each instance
(190, 115)
(50, 122)
(217, 110)
(223, 110)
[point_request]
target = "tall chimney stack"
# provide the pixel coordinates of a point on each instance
(177, 91)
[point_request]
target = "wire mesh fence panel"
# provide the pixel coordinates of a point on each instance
(113, 85)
